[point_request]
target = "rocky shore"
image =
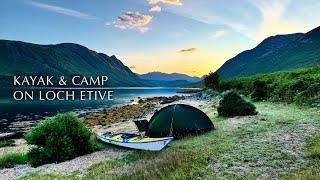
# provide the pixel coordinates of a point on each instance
(138, 109)
(121, 119)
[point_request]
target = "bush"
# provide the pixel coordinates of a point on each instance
(234, 105)
(260, 91)
(11, 159)
(212, 81)
(299, 86)
(57, 139)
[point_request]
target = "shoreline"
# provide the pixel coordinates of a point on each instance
(23, 121)
(115, 125)
(116, 118)
(120, 119)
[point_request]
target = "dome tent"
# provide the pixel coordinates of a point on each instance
(178, 120)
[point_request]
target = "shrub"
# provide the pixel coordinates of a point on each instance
(57, 139)
(234, 105)
(299, 86)
(10, 159)
(260, 91)
(212, 80)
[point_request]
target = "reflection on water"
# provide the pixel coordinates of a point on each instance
(24, 111)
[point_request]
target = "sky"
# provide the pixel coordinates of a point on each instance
(192, 37)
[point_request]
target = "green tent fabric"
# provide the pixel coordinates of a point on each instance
(178, 120)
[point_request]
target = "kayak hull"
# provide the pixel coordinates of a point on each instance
(137, 142)
(6, 135)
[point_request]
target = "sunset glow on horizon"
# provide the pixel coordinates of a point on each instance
(183, 36)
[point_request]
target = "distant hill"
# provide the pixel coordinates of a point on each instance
(21, 58)
(168, 80)
(159, 76)
(177, 83)
(276, 53)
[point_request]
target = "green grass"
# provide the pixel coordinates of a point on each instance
(35, 176)
(314, 149)
(6, 143)
(11, 159)
(239, 148)
(197, 157)
(312, 170)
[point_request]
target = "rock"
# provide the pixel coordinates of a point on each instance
(263, 119)
(3, 120)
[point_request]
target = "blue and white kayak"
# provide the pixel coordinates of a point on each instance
(135, 141)
(6, 135)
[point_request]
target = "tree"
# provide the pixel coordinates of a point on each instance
(260, 91)
(212, 80)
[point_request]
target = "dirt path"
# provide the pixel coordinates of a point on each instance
(79, 165)
(20, 146)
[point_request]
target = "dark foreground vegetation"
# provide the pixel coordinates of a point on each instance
(58, 139)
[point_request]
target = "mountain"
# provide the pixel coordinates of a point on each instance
(276, 53)
(21, 58)
(168, 80)
(159, 76)
(176, 83)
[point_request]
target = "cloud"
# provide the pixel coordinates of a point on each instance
(204, 14)
(273, 22)
(133, 20)
(173, 2)
(155, 9)
(219, 34)
(61, 10)
(189, 50)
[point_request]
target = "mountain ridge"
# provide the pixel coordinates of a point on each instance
(17, 57)
(275, 53)
(161, 76)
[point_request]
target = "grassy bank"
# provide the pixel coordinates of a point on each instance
(7, 143)
(300, 86)
(240, 147)
(11, 159)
